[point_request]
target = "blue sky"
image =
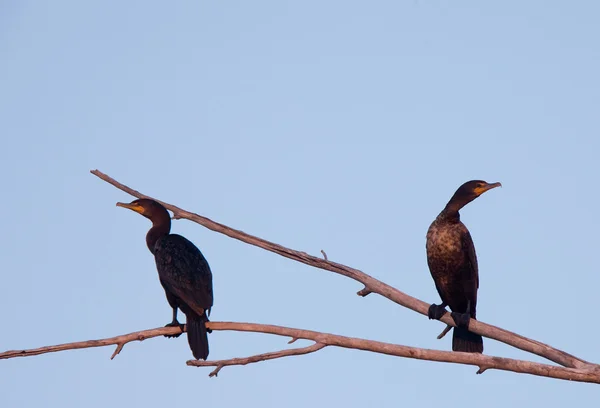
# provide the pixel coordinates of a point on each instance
(341, 125)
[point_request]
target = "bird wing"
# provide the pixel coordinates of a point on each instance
(469, 247)
(184, 272)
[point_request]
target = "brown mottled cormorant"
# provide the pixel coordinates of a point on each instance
(453, 265)
(183, 273)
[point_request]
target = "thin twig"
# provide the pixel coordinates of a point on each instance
(117, 350)
(254, 359)
(444, 332)
(324, 255)
(374, 285)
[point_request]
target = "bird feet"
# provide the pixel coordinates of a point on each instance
(461, 319)
(174, 323)
(436, 311)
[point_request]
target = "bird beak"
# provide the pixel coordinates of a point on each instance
(480, 190)
(134, 207)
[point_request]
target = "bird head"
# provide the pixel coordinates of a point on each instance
(146, 207)
(468, 192)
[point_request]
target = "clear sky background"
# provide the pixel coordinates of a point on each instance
(341, 125)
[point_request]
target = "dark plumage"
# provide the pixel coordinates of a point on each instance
(453, 265)
(183, 273)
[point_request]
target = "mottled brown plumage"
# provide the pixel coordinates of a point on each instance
(453, 265)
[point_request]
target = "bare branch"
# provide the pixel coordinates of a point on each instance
(254, 359)
(483, 362)
(325, 339)
(374, 285)
(119, 341)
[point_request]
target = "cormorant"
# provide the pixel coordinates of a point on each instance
(183, 273)
(453, 265)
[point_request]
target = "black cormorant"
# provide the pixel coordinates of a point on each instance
(183, 273)
(453, 265)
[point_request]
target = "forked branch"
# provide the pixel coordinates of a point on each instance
(371, 284)
(321, 340)
(325, 339)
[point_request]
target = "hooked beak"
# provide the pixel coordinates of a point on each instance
(489, 186)
(134, 207)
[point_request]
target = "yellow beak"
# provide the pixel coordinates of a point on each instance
(134, 207)
(489, 186)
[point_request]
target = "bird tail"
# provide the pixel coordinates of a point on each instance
(197, 335)
(464, 340)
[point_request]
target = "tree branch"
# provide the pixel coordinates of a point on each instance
(322, 340)
(481, 361)
(118, 341)
(372, 285)
(219, 364)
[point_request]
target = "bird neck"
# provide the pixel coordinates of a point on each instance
(456, 203)
(451, 211)
(160, 227)
(449, 215)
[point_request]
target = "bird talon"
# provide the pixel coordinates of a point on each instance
(174, 324)
(461, 319)
(436, 311)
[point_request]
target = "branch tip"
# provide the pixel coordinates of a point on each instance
(444, 332)
(364, 292)
(482, 369)
(117, 350)
(293, 340)
(324, 255)
(215, 372)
